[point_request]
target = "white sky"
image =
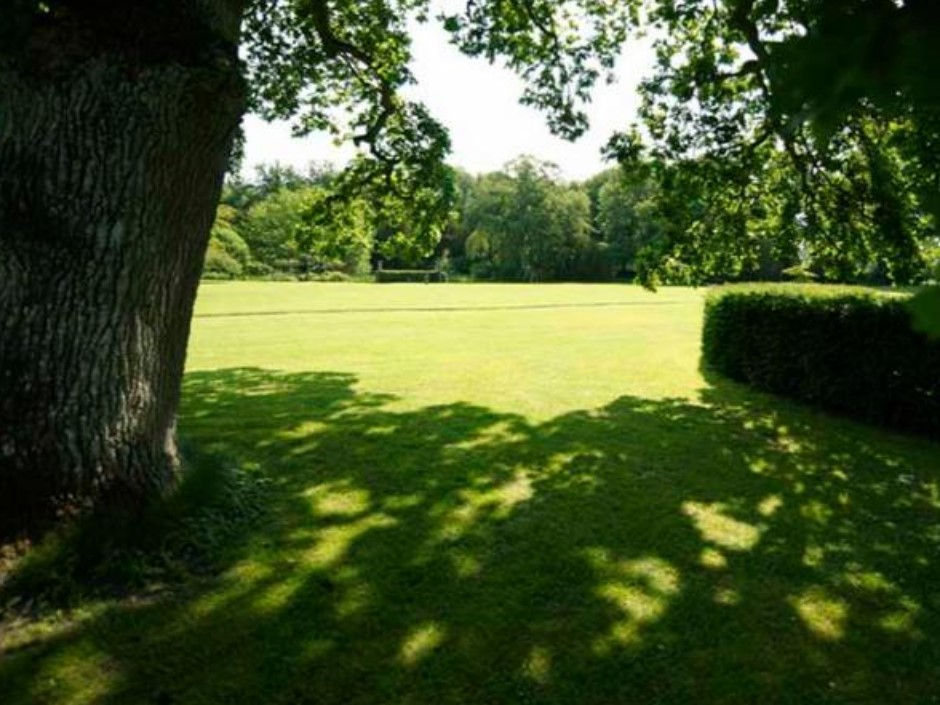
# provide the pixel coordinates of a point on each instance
(478, 103)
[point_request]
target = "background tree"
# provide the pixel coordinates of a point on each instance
(341, 243)
(526, 225)
(453, 243)
(273, 227)
(228, 255)
(300, 232)
(409, 230)
(625, 215)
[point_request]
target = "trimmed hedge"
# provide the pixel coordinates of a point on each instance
(842, 349)
(410, 276)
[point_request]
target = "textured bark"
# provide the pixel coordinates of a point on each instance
(110, 170)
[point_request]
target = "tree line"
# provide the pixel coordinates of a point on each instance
(642, 219)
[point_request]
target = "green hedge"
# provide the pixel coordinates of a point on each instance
(842, 349)
(413, 276)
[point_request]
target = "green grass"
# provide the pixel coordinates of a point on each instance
(537, 351)
(528, 495)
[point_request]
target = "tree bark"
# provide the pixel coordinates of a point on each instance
(111, 164)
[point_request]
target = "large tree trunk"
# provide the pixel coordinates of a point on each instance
(111, 163)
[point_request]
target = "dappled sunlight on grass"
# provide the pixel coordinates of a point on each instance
(338, 499)
(822, 613)
(538, 665)
(420, 642)
(713, 559)
(719, 528)
(455, 554)
(768, 506)
(480, 508)
(640, 589)
(334, 542)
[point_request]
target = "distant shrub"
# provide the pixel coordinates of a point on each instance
(414, 276)
(220, 264)
(208, 276)
(840, 348)
(258, 270)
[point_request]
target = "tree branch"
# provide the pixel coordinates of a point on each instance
(336, 47)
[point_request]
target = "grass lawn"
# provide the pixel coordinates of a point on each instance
(514, 494)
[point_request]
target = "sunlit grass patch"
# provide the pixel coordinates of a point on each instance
(823, 614)
(718, 527)
(420, 643)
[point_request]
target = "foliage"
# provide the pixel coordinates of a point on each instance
(560, 48)
(783, 141)
(526, 225)
(625, 214)
(342, 242)
(333, 277)
(309, 60)
(932, 257)
(521, 223)
(773, 142)
(926, 306)
(405, 235)
(339, 67)
(456, 233)
(226, 234)
(228, 253)
(220, 264)
(299, 229)
(273, 226)
(301, 225)
(269, 179)
(799, 273)
(852, 352)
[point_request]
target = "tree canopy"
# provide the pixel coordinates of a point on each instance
(782, 134)
(800, 130)
(339, 66)
(785, 102)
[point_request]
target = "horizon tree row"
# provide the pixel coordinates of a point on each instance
(643, 219)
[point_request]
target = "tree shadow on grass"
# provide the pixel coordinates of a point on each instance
(733, 550)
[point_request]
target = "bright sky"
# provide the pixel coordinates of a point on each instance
(478, 103)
